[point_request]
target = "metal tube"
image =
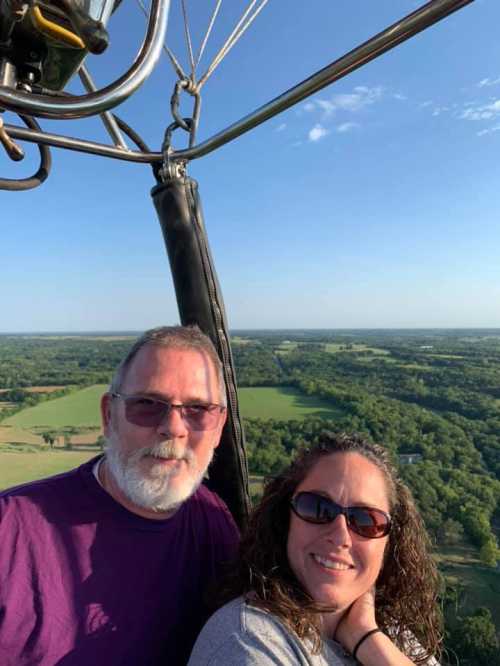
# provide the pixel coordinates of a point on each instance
(407, 27)
(106, 117)
(94, 103)
(400, 31)
(81, 146)
(8, 73)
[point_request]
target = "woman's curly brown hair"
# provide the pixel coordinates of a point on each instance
(407, 586)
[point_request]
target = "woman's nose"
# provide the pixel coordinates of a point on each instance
(338, 531)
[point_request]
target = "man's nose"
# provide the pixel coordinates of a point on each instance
(173, 424)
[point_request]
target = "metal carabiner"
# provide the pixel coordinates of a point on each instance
(190, 87)
(171, 168)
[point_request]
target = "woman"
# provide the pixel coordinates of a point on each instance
(334, 569)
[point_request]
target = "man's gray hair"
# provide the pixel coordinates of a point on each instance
(172, 337)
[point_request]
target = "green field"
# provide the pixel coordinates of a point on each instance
(282, 403)
(78, 409)
(23, 457)
(16, 468)
(334, 347)
(82, 408)
(481, 585)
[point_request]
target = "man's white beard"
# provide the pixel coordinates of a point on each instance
(155, 491)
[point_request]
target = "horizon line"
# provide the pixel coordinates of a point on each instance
(258, 329)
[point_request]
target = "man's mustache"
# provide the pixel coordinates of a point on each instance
(166, 449)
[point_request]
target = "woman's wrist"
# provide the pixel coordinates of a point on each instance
(377, 649)
(362, 640)
(349, 639)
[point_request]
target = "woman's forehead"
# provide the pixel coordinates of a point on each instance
(349, 479)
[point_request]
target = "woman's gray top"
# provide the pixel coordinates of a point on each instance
(239, 633)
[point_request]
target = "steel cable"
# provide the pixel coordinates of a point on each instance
(234, 37)
(209, 30)
(188, 39)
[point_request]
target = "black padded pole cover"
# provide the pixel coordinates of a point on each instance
(200, 302)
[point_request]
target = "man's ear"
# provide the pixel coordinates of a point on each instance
(223, 419)
(106, 401)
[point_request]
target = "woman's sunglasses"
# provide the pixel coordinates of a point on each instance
(363, 520)
(148, 412)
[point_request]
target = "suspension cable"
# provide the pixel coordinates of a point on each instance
(175, 63)
(188, 39)
(238, 31)
(248, 17)
(209, 30)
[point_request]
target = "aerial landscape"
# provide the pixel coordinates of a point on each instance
(431, 396)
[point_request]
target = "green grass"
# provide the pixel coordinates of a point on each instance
(16, 468)
(236, 340)
(82, 409)
(286, 347)
(334, 347)
(415, 366)
(77, 409)
(448, 356)
(481, 584)
(13, 435)
(282, 403)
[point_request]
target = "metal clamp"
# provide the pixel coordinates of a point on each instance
(171, 168)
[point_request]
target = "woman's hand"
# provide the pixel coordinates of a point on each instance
(377, 649)
(357, 620)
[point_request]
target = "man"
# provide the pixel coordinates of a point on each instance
(109, 563)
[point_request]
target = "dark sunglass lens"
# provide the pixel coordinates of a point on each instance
(314, 508)
(201, 417)
(145, 412)
(369, 523)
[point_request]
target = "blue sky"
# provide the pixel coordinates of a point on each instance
(375, 203)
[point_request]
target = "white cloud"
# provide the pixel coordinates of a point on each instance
(327, 107)
(346, 127)
(481, 112)
(438, 110)
(428, 102)
(495, 128)
(281, 127)
(488, 82)
(317, 133)
(399, 97)
(361, 97)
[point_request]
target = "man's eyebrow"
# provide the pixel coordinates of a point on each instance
(161, 396)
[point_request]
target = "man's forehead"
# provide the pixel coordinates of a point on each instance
(170, 353)
(171, 362)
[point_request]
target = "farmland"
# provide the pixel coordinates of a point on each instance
(81, 410)
(30, 464)
(77, 409)
(78, 414)
(282, 403)
(431, 393)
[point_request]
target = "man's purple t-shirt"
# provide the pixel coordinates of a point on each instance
(85, 582)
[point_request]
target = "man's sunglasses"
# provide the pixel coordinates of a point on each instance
(149, 412)
(365, 521)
